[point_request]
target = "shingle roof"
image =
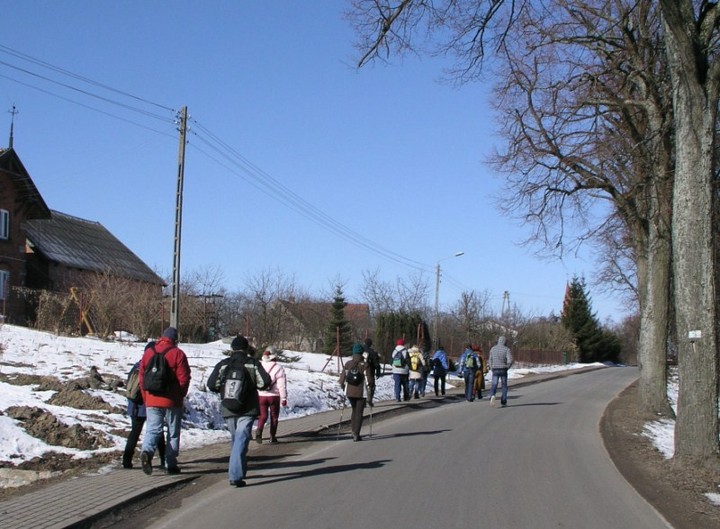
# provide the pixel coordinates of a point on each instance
(86, 245)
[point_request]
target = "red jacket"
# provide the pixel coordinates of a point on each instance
(178, 364)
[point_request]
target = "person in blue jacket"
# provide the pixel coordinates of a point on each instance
(467, 367)
(440, 367)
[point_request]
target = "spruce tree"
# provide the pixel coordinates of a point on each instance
(338, 323)
(594, 343)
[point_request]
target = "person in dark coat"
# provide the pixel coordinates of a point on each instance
(136, 412)
(165, 410)
(240, 423)
(356, 393)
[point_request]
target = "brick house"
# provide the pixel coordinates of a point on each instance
(48, 250)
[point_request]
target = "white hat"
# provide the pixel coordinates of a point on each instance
(270, 353)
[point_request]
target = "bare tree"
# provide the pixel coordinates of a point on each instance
(379, 294)
(587, 118)
(263, 292)
(409, 294)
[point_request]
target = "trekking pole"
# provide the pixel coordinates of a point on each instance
(370, 398)
(371, 414)
(342, 411)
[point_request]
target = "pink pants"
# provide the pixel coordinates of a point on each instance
(273, 405)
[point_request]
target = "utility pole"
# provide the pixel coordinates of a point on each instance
(175, 300)
(505, 305)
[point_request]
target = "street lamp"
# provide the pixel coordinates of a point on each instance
(437, 297)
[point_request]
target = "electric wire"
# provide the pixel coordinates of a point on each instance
(78, 103)
(234, 162)
(68, 73)
(266, 183)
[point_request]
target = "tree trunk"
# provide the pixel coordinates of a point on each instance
(654, 301)
(694, 105)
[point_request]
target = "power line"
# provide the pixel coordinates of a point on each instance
(68, 73)
(234, 162)
(269, 185)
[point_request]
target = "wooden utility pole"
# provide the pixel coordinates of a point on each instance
(175, 301)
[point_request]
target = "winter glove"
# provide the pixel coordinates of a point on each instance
(283, 403)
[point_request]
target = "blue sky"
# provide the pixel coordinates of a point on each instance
(391, 153)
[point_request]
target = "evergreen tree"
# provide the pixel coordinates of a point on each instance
(389, 326)
(338, 324)
(594, 343)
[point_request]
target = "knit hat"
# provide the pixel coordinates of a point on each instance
(171, 333)
(400, 342)
(357, 349)
(239, 343)
(368, 342)
(270, 353)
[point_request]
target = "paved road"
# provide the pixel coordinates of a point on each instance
(537, 464)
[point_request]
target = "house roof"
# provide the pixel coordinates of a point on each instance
(27, 192)
(85, 245)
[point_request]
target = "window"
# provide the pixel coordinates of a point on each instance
(4, 283)
(4, 224)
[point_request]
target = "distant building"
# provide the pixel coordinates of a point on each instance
(304, 323)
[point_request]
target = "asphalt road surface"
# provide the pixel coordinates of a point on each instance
(538, 463)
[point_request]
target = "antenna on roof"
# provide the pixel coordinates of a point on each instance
(12, 124)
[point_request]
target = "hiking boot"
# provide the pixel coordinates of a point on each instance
(173, 470)
(127, 465)
(239, 483)
(146, 460)
(273, 440)
(258, 437)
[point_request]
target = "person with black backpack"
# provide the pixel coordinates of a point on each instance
(357, 380)
(372, 358)
(238, 379)
(136, 412)
(164, 381)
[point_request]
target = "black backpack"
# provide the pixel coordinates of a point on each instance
(354, 376)
(157, 376)
(236, 387)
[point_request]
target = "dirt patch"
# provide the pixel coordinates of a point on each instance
(45, 426)
(675, 490)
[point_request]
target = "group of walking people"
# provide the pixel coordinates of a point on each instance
(254, 390)
(264, 393)
(411, 368)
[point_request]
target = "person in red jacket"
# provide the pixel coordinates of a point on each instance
(166, 408)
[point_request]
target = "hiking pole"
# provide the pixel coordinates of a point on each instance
(342, 411)
(369, 400)
(371, 413)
